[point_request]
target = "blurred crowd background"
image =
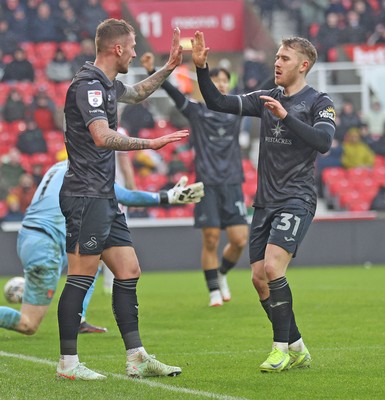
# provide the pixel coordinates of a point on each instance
(44, 42)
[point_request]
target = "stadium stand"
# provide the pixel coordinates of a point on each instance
(344, 189)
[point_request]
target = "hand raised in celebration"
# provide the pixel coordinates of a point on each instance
(175, 58)
(199, 50)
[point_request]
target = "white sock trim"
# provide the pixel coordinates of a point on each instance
(298, 345)
(132, 352)
(68, 361)
(281, 346)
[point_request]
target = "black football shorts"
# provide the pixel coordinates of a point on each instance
(284, 226)
(220, 207)
(95, 224)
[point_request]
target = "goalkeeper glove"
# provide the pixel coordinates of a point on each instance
(182, 193)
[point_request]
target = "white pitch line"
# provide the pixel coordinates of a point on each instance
(155, 384)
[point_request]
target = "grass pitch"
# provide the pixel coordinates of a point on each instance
(340, 312)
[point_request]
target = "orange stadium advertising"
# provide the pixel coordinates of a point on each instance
(221, 21)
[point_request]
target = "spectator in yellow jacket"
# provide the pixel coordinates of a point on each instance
(355, 152)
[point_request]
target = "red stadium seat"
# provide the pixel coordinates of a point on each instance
(157, 212)
(29, 48)
(334, 187)
(357, 200)
(4, 89)
(25, 162)
(249, 199)
(378, 175)
(251, 175)
(180, 212)
(16, 127)
(61, 89)
(44, 159)
(313, 30)
(187, 157)
(249, 188)
(191, 177)
(54, 147)
(358, 174)
(332, 55)
(366, 185)
(153, 182)
(379, 161)
(248, 164)
(8, 138)
(359, 205)
(147, 134)
(113, 8)
(333, 173)
(70, 49)
(347, 198)
(27, 90)
(53, 136)
(3, 209)
(44, 53)
(4, 148)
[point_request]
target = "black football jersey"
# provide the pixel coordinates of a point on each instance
(215, 139)
(286, 162)
(91, 169)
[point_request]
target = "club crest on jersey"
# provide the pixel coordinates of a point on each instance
(95, 98)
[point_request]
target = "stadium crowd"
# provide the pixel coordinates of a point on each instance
(44, 42)
(330, 23)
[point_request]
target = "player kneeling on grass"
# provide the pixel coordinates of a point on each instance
(41, 246)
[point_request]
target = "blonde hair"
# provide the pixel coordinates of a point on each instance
(109, 30)
(303, 46)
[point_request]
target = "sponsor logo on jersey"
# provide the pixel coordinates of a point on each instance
(95, 98)
(329, 113)
(277, 130)
(277, 135)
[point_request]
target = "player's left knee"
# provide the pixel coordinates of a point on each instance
(239, 242)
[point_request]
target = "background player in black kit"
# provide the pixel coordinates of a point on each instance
(218, 164)
(296, 123)
(95, 227)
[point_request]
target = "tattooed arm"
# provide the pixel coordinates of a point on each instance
(141, 90)
(107, 138)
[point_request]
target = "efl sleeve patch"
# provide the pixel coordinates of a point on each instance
(95, 98)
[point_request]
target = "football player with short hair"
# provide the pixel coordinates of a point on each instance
(218, 164)
(41, 246)
(297, 122)
(96, 229)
